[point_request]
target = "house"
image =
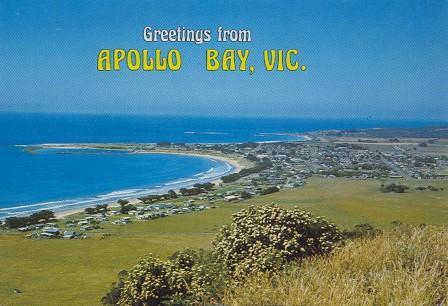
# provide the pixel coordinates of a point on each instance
(144, 217)
(24, 229)
(124, 220)
(50, 232)
(69, 235)
(231, 198)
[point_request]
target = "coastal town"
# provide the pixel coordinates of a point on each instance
(268, 168)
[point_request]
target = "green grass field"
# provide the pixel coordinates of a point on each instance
(79, 272)
(348, 202)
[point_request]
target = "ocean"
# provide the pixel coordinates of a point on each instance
(67, 179)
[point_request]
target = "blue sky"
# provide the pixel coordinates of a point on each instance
(384, 59)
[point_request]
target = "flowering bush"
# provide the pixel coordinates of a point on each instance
(259, 239)
(262, 238)
(152, 281)
(187, 277)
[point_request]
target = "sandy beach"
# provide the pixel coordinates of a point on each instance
(236, 163)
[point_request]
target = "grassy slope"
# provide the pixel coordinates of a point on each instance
(401, 267)
(58, 272)
(347, 202)
(78, 272)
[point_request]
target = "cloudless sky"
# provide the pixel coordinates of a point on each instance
(384, 59)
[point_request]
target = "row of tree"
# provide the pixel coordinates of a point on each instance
(151, 198)
(42, 216)
(97, 209)
(197, 189)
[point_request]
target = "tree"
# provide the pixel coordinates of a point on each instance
(205, 186)
(245, 195)
(190, 191)
(269, 190)
(122, 202)
(101, 208)
(125, 208)
(37, 217)
(90, 210)
(172, 194)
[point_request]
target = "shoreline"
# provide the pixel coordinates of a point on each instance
(235, 165)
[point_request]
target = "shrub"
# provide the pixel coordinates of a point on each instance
(261, 238)
(245, 195)
(153, 281)
(269, 190)
(187, 277)
(207, 276)
(397, 188)
(362, 231)
(113, 296)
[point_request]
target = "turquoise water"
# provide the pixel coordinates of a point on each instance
(61, 180)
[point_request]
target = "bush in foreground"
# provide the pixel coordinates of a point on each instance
(407, 266)
(264, 238)
(187, 277)
(259, 239)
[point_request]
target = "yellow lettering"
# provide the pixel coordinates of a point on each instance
(161, 63)
(289, 62)
(269, 61)
(228, 60)
(119, 55)
(211, 60)
(147, 65)
(103, 62)
(280, 61)
(243, 58)
(133, 64)
(174, 66)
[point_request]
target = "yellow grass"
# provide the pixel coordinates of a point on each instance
(401, 267)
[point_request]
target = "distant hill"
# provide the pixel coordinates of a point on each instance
(425, 132)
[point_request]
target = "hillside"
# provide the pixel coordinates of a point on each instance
(407, 266)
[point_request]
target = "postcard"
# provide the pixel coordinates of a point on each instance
(223, 152)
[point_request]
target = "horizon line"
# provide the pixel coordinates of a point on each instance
(223, 116)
